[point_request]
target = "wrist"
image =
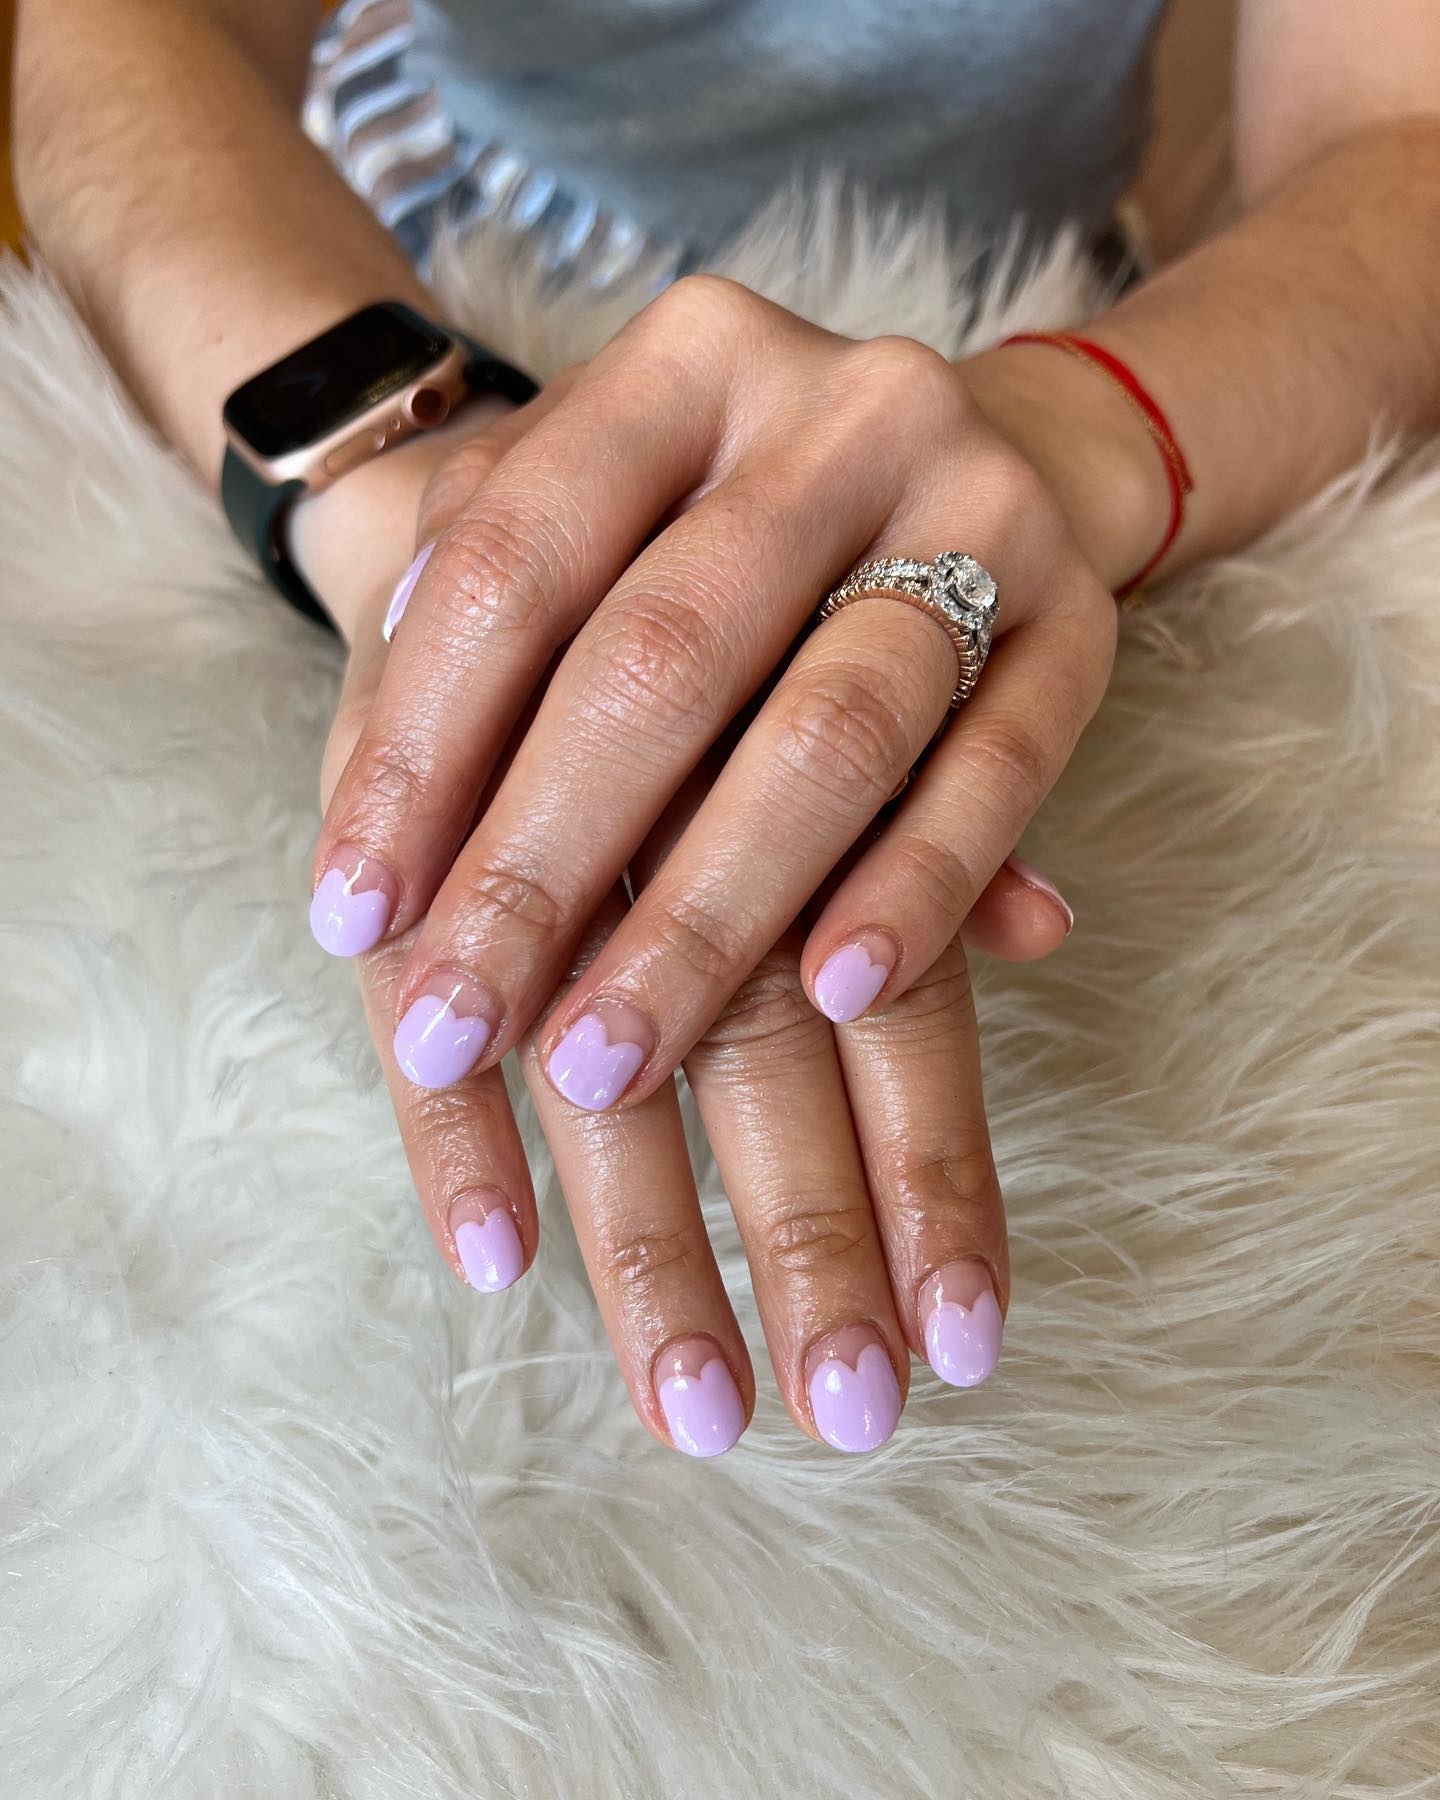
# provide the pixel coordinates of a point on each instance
(1083, 438)
(353, 539)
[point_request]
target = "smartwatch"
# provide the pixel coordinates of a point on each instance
(383, 375)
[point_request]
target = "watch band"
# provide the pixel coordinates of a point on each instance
(258, 509)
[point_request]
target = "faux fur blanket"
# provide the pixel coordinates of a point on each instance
(286, 1513)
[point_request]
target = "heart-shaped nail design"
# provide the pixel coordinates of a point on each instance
(435, 1045)
(588, 1069)
(346, 923)
(848, 981)
(704, 1412)
(962, 1343)
(859, 1408)
(490, 1251)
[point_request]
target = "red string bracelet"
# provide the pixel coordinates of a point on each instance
(1177, 470)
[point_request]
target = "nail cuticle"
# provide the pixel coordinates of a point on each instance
(851, 977)
(445, 1028)
(852, 1387)
(961, 1325)
(487, 1244)
(354, 902)
(599, 1054)
(698, 1396)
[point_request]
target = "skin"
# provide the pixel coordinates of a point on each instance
(856, 1157)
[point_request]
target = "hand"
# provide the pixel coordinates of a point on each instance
(678, 512)
(906, 1254)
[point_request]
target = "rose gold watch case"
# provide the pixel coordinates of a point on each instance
(423, 403)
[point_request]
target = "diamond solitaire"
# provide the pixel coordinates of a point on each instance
(957, 592)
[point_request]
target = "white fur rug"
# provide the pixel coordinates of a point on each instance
(287, 1514)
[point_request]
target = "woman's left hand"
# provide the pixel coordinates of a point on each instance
(669, 524)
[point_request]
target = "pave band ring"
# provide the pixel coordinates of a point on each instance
(955, 590)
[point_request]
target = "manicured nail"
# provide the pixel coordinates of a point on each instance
(354, 903)
(961, 1320)
(1042, 885)
(852, 976)
(854, 1396)
(699, 1398)
(596, 1060)
(445, 1028)
(404, 588)
(487, 1241)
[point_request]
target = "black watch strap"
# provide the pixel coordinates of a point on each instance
(258, 509)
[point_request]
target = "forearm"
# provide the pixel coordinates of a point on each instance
(164, 175)
(1275, 349)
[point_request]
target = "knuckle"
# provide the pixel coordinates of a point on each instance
(653, 660)
(635, 1260)
(919, 1190)
(903, 365)
(937, 873)
(1016, 770)
(805, 1235)
(705, 295)
(505, 893)
(495, 573)
(704, 941)
(845, 739)
(391, 779)
(454, 482)
(769, 1008)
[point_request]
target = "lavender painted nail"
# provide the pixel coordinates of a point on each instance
(490, 1250)
(590, 1070)
(404, 588)
(703, 1410)
(855, 1407)
(436, 1042)
(848, 981)
(963, 1326)
(347, 919)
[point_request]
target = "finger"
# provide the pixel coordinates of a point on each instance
(843, 724)
(642, 693)
(907, 896)
(1020, 917)
(464, 1151)
(769, 1089)
(518, 568)
(631, 1193)
(454, 484)
(913, 1078)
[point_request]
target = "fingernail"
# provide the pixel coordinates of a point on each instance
(854, 1396)
(404, 588)
(960, 1317)
(354, 902)
(487, 1240)
(852, 976)
(1042, 885)
(445, 1028)
(699, 1398)
(596, 1060)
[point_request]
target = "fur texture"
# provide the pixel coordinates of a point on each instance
(286, 1513)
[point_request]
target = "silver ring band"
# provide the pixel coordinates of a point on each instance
(955, 590)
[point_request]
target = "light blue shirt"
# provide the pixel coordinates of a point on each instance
(612, 125)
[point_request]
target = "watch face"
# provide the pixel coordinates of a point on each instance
(333, 378)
